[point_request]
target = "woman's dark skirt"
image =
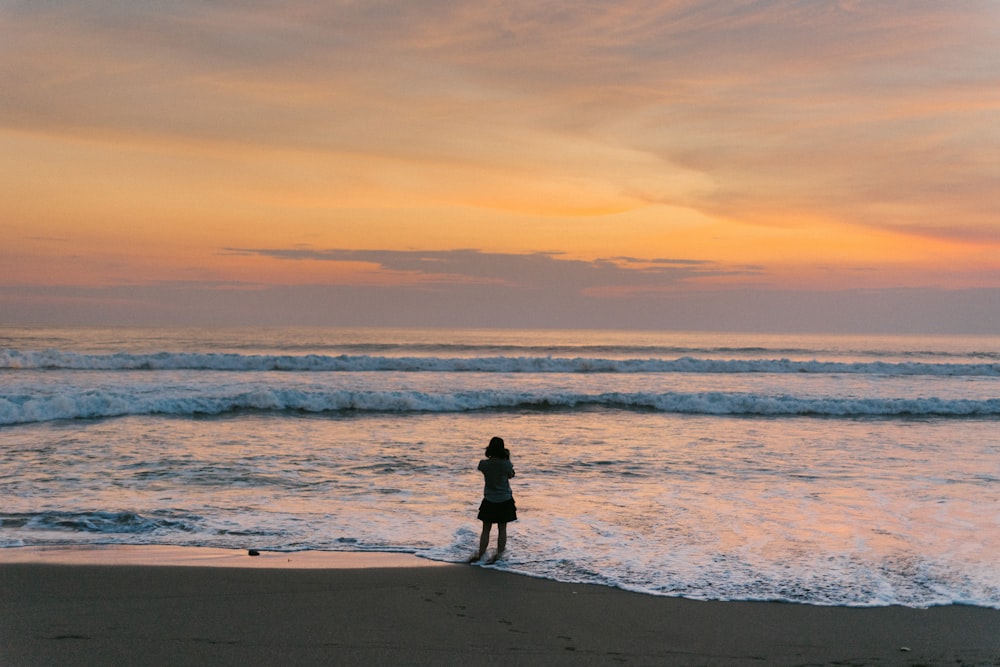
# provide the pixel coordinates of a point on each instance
(504, 512)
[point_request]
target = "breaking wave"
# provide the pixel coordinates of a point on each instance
(99, 404)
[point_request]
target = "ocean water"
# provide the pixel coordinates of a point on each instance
(828, 470)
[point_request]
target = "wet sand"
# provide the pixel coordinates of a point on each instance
(167, 606)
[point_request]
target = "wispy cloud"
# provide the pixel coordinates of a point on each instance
(882, 114)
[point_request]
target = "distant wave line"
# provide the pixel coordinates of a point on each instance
(161, 361)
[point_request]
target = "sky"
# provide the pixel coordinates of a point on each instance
(795, 165)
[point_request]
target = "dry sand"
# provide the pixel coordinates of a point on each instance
(178, 607)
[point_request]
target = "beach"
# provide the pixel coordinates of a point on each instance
(183, 606)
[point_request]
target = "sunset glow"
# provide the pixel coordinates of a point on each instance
(638, 147)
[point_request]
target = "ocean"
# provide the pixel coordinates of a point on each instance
(829, 470)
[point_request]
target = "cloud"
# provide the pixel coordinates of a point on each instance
(734, 109)
(540, 271)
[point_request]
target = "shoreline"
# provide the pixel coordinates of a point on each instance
(183, 608)
(165, 555)
(152, 555)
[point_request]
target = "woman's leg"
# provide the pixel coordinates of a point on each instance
(501, 538)
(484, 539)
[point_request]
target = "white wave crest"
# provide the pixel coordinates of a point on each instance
(106, 404)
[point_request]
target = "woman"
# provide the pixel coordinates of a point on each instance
(498, 499)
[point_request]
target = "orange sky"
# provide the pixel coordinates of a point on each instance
(668, 147)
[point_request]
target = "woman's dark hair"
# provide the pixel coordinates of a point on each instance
(496, 449)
